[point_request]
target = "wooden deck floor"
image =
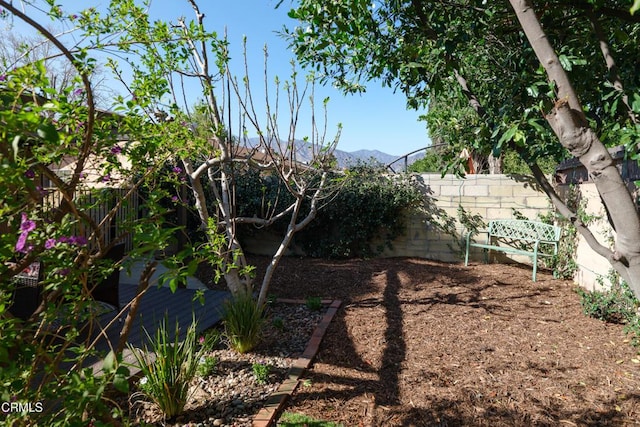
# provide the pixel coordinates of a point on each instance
(156, 305)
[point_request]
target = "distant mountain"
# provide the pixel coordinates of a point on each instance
(346, 159)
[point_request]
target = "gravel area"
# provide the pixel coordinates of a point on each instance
(232, 395)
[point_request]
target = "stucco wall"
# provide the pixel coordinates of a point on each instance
(592, 268)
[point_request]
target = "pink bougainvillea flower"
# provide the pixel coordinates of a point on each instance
(22, 241)
(26, 226)
(177, 169)
(201, 339)
(50, 243)
(77, 240)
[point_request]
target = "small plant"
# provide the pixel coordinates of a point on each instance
(261, 371)
(271, 298)
(291, 419)
(207, 366)
(313, 303)
(168, 366)
(278, 323)
(471, 223)
(243, 320)
(617, 304)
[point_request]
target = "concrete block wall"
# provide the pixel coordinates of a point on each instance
(490, 196)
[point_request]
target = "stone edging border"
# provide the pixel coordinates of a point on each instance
(275, 403)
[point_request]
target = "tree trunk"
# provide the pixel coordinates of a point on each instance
(570, 125)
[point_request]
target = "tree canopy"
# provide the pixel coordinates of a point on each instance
(554, 81)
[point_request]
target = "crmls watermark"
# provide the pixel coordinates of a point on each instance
(21, 407)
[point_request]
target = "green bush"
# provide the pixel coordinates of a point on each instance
(617, 304)
(366, 215)
(243, 318)
(261, 372)
(207, 366)
(313, 303)
(168, 367)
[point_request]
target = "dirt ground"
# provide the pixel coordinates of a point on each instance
(421, 343)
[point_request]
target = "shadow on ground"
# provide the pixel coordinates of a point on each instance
(420, 343)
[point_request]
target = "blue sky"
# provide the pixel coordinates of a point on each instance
(375, 120)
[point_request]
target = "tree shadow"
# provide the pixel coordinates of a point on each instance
(370, 377)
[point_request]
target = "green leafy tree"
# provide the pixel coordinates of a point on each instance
(431, 162)
(210, 142)
(494, 59)
(46, 217)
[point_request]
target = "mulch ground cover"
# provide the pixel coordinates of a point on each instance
(422, 343)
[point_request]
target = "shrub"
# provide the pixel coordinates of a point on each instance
(167, 376)
(617, 304)
(313, 303)
(207, 365)
(243, 318)
(366, 215)
(261, 372)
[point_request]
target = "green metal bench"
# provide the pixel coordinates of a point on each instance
(518, 237)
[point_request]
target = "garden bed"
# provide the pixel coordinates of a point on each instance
(232, 393)
(423, 343)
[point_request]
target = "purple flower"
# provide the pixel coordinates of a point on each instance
(106, 178)
(22, 241)
(3, 77)
(176, 169)
(41, 190)
(201, 339)
(29, 173)
(78, 92)
(74, 16)
(116, 149)
(174, 199)
(50, 243)
(64, 239)
(77, 240)
(63, 271)
(26, 225)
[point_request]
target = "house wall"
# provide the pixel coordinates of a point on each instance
(593, 269)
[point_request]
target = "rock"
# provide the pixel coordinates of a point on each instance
(218, 422)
